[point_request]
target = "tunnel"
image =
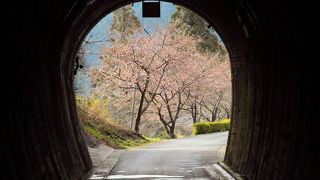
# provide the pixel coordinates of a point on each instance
(274, 133)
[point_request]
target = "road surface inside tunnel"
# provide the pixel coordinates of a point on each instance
(186, 158)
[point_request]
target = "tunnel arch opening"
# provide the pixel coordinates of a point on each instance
(273, 88)
(233, 21)
(212, 104)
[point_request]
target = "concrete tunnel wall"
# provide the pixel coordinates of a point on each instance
(274, 127)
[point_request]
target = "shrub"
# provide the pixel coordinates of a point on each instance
(210, 127)
(93, 107)
(97, 123)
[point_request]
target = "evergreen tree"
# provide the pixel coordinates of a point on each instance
(186, 21)
(124, 24)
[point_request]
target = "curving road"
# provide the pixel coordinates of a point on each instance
(186, 158)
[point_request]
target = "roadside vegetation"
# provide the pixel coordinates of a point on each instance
(210, 127)
(97, 123)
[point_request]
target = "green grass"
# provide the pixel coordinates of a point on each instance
(210, 127)
(116, 136)
(97, 123)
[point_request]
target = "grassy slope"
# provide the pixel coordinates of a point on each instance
(112, 134)
(115, 136)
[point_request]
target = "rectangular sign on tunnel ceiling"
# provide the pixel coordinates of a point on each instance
(151, 9)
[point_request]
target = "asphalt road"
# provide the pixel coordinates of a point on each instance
(185, 158)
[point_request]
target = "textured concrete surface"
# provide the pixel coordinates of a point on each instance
(102, 169)
(221, 153)
(186, 158)
(99, 154)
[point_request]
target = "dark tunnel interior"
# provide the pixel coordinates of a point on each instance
(274, 133)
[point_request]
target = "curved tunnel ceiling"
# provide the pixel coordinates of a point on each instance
(267, 140)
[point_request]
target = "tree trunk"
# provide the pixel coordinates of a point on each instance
(141, 110)
(139, 114)
(214, 115)
(171, 133)
(228, 114)
(194, 113)
(169, 129)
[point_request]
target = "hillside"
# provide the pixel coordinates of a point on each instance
(109, 133)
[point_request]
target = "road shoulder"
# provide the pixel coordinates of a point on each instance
(104, 159)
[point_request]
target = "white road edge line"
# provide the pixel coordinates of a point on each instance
(223, 172)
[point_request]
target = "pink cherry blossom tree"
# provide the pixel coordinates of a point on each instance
(169, 74)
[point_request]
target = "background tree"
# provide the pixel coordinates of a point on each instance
(124, 24)
(81, 72)
(210, 99)
(186, 21)
(172, 104)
